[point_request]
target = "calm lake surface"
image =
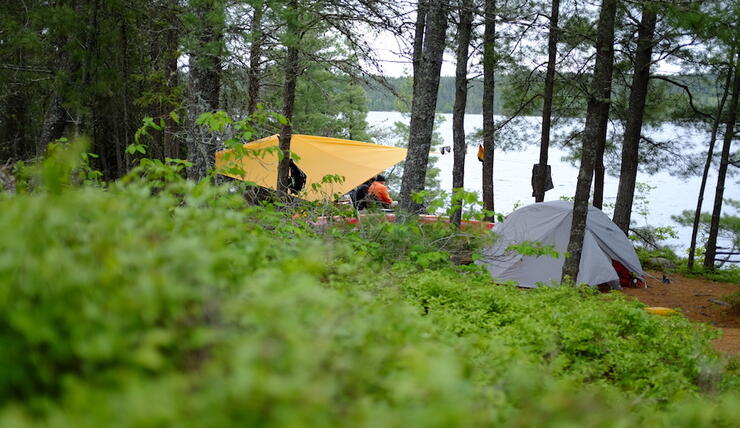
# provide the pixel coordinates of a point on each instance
(513, 169)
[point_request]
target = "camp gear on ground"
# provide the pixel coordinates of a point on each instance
(389, 216)
(332, 165)
(657, 310)
(627, 278)
(549, 223)
(359, 196)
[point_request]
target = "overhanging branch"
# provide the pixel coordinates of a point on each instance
(688, 92)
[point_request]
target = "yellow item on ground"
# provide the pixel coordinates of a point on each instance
(318, 157)
(657, 310)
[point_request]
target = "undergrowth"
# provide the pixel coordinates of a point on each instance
(729, 273)
(162, 302)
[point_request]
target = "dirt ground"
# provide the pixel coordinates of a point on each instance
(693, 296)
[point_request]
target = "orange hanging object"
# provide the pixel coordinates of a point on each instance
(481, 153)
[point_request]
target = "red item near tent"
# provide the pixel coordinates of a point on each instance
(626, 278)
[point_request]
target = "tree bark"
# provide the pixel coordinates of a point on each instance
(602, 110)
(464, 31)
(598, 96)
(635, 112)
(172, 39)
(255, 54)
(165, 50)
(424, 106)
(711, 247)
(56, 116)
(489, 63)
(204, 87)
(289, 86)
(707, 165)
(598, 197)
(418, 47)
(14, 116)
(552, 50)
(55, 120)
(123, 161)
(291, 77)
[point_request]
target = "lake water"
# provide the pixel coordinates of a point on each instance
(513, 169)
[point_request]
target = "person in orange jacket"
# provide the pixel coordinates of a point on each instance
(379, 192)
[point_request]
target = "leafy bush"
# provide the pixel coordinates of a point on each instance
(729, 274)
(171, 303)
(734, 300)
(575, 332)
(646, 254)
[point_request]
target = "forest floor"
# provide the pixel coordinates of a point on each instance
(694, 297)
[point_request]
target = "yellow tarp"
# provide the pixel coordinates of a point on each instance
(317, 157)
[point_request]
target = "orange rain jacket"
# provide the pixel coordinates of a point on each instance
(380, 191)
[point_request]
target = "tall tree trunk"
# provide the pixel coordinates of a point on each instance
(598, 198)
(255, 55)
(424, 105)
(171, 146)
(56, 115)
(291, 77)
(418, 48)
(126, 124)
(603, 122)
(55, 120)
(461, 97)
(599, 95)
(204, 86)
(172, 39)
(635, 112)
(489, 64)
(168, 53)
(707, 165)
(14, 131)
(552, 50)
(711, 247)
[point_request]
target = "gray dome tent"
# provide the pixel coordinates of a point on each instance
(549, 223)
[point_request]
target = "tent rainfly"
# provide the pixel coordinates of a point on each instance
(549, 223)
(318, 157)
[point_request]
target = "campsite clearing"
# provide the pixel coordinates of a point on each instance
(692, 296)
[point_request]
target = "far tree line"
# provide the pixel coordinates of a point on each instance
(97, 68)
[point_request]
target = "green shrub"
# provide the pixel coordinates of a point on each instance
(734, 300)
(576, 333)
(160, 302)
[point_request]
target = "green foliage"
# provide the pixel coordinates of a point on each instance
(65, 164)
(729, 274)
(381, 99)
(729, 223)
(164, 302)
(646, 234)
(646, 253)
(576, 333)
(734, 300)
(536, 249)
